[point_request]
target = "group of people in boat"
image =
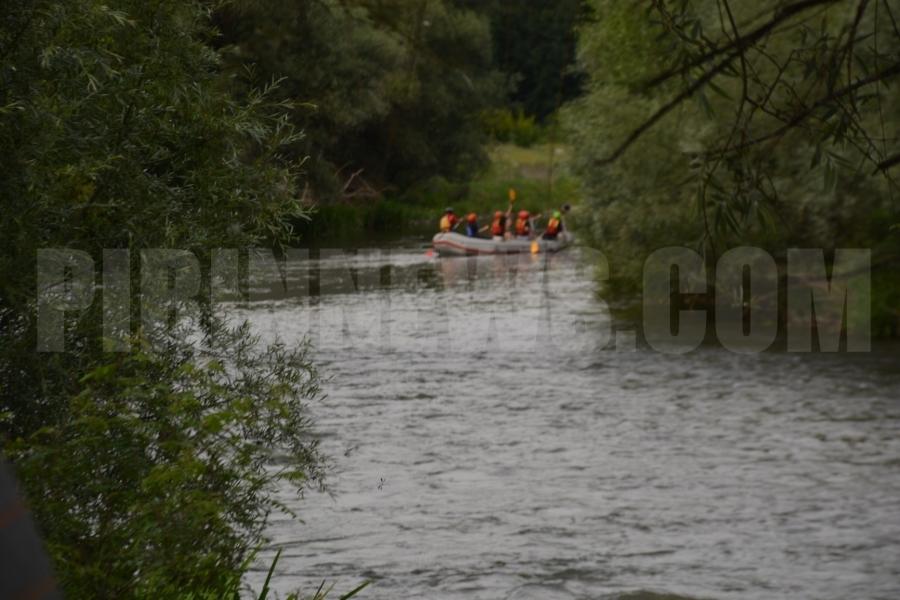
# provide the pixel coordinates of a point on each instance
(502, 228)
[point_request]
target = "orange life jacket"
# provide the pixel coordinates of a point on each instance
(522, 227)
(553, 227)
(498, 227)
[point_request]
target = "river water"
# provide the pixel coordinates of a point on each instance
(493, 439)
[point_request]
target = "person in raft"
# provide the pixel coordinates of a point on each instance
(555, 227)
(449, 220)
(498, 227)
(524, 229)
(472, 229)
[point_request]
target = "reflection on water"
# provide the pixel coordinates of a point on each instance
(489, 447)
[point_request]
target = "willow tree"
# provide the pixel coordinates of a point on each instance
(146, 468)
(712, 123)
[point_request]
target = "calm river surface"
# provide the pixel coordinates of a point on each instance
(488, 446)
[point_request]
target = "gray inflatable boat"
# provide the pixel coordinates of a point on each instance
(456, 244)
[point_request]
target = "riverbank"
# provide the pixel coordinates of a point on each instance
(539, 174)
(542, 179)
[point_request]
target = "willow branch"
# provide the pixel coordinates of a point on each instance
(887, 164)
(740, 43)
(659, 114)
(859, 13)
(803, 114)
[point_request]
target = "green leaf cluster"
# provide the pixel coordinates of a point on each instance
(504, 126)
(163, 472)
(383, 101)
(714, 124)
(150, 470)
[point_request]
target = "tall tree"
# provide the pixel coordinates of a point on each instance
(147, 469)
(388, 92)
(720, 122)
(534, 46)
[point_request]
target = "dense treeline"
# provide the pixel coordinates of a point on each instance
(393, 94)
(383, 100)
(147, 469)
(534, 47)
(720, 123)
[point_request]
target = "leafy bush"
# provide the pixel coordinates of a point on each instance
(148, 470)
(498, 123)
(525, 132)
(680, 143)
(503, 126)
(161, 474)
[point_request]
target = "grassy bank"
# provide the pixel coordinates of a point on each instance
(527, 170)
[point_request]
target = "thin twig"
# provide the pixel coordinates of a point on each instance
(747, 40)
(665, 110)
(798, 117)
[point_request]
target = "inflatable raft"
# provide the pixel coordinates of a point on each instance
(456, 244)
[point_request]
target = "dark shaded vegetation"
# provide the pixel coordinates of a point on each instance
(534, 46)
(724, 123)
(384, 105)
(148, 470)
(397, 97)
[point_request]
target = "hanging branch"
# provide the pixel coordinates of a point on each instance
(737, 46)
(738, 43)
(659, 114)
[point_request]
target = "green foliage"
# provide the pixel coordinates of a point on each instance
(161, 472)
(688, 137)
(148, 470)
(534, 46)
(503, 126)
(636, 203)
(384, 104)
(112, 123)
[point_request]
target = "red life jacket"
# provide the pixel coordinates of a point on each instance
(447, 222)
(522, 227)
(553, 227)
(498, 227)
